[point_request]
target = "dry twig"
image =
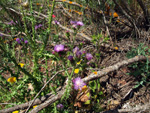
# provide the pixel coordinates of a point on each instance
(92, 76)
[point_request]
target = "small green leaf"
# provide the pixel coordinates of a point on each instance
(88, 102)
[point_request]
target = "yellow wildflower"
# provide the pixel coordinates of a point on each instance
(84, 88)
(21, 64)
(115, 15)
(76, 71)
(11, 80)
(95, 72)
(15, 38)
(38, 4)
(34, 106)
(80, 13)
(69, 10)
(15, 112)
(116, 48)
(78, 62)
(70, 2)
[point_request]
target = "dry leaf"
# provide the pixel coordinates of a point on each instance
(82, 97)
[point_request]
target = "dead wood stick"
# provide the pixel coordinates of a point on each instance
(7, 35)
(91, 77)
(42, 89)
(113, 68)
(25, 105)
(138, 108)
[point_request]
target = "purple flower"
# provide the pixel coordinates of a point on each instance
(26, 41)
(78, 53)
(88, 56)
(60, 106)
(11, 22)
(75, 50)
(59, 48)
(73, 22)
(79, 23)
(78, 83)
(83, 52)
(53, 52)
(22, 39)
(76, 23)
(38, 26)
(56, 22)
(70, 57)
(18, 40)
(1, 35)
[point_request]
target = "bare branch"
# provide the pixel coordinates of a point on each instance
(91, 77)
(138, 108)
(113, 68)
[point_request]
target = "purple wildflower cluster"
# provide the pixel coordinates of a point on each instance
(21, 40)
(78, 83)
(76, 24)
(59, 48)
(56, 22)
(38, 26)
(60, 106)
(78, 54)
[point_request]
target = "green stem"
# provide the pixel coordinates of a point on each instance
(49, 22)
(25, 26)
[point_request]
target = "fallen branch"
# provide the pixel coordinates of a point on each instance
(92, 77)
(138, 108)
(113, 68)
(7, 35)
(47, 100)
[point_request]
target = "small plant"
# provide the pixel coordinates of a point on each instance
(141, 69)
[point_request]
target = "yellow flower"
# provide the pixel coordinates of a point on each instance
(15, 112)
(63, 0)
(21, 64)
(69, 10)
(76, 71)
(15, 38)
(38, 4)
(115, 15)
(78, 62)
(34, 106)
(11, 80)
(95, 72)
(70, 2)
(84, 88)
(80, 13)
(116, 48)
